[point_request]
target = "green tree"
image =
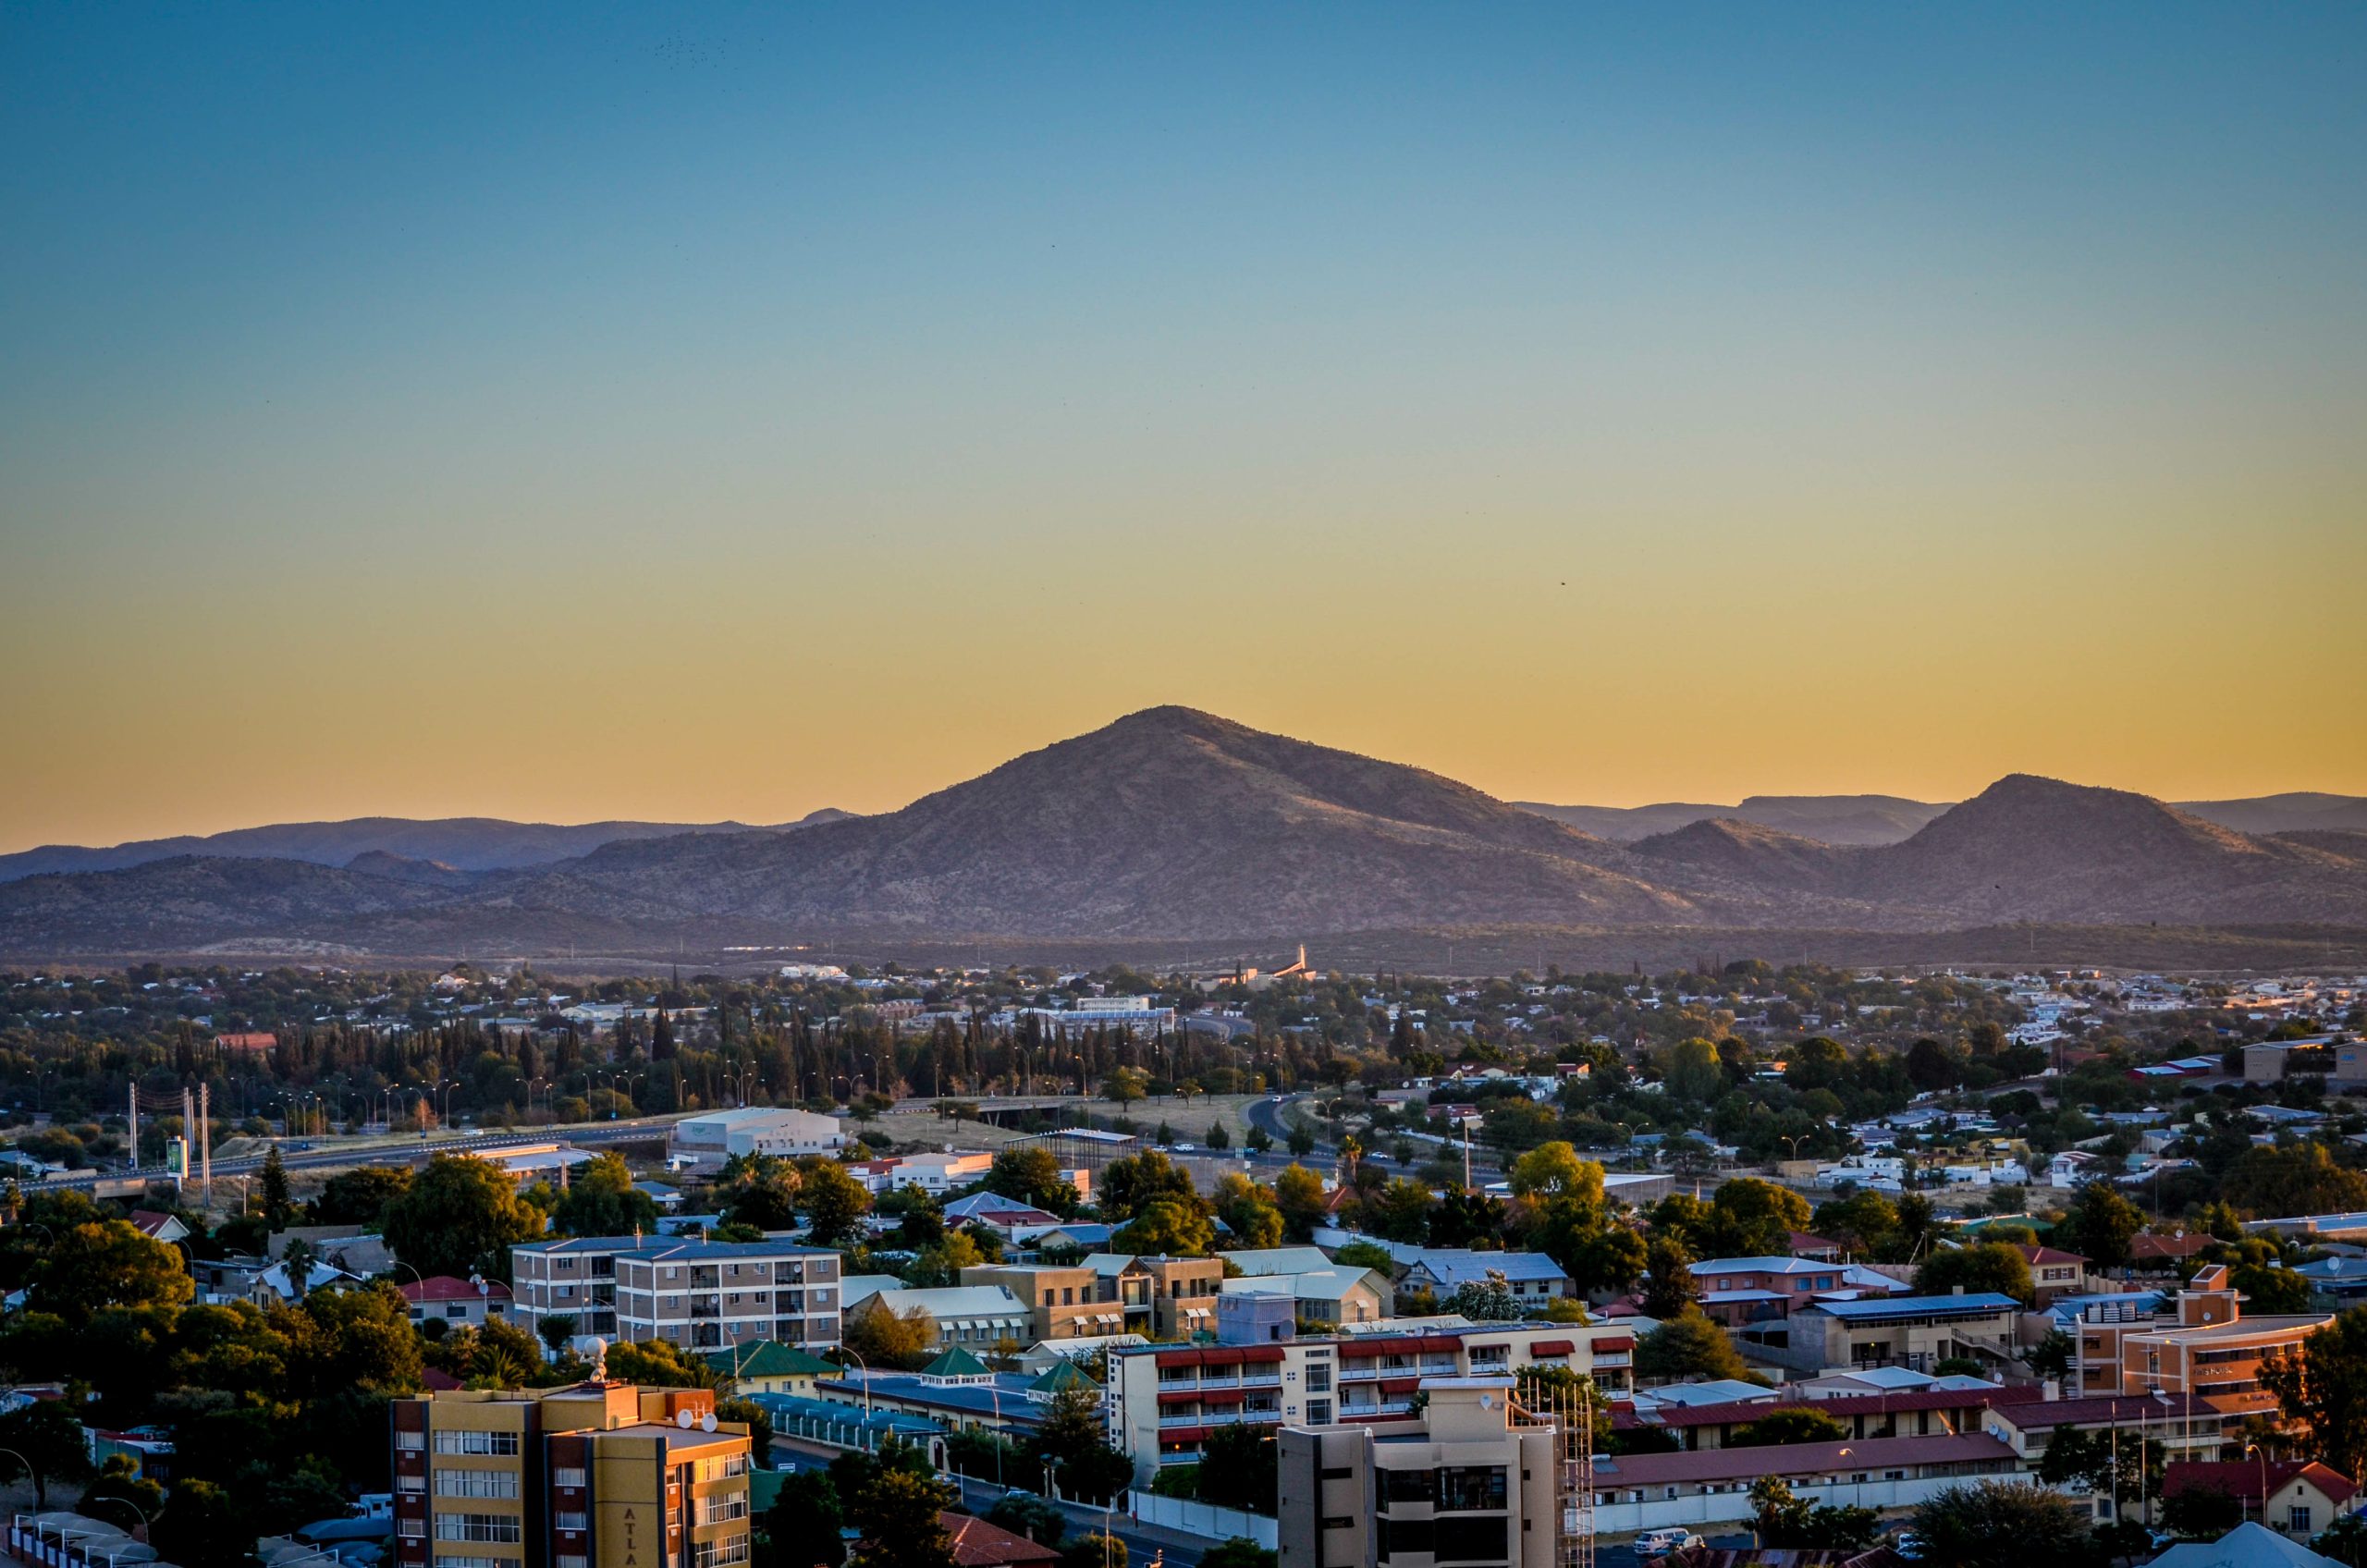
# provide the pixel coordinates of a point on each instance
(276, 1207)
(1239, 1552)
(805, 1522)
(1238, 1469)
(1024, 1513)
(2002, 1525)
(1554, 1170)
(759, 1422)
(105, 1264)
(555, 1328)
(1127, 1186)
(1248, 1212)
(1669, 1291)
(2323, 1386)
(1032, 1176)
(2203, 1513)
(1169, 1228)
(657, 1363)
(1302, 1142)
(117, 1483)
(2293, 1178)
(602, 1201)
(1693, 1071)
(1985, 1265)
(360, 1196)
(1258, 1140)
(942, 1264)
(1687, 1345)
(760, 1190)
(890, 1341)
(1400, 1212)
(1071, 1434)
(44, 1439)
(1484, 1300)
(203, 1527)
(1785, 1521)
(1125, 1085)
(1749, 1218)
(900, 1515)
(461, 1217)
(1796, 1424)
(2099, 1225)
(835, 1203)
(1298, 1193)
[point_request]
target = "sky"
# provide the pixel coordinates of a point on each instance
(701, 412)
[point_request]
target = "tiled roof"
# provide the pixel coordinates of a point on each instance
(2147, 1244)
(2241, 1477)
(444, 1287)
(2048, 1255)
(977, 1544)
(2106, 1410)
(1797, 1459)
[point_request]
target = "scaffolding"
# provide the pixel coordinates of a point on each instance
(1570, 1414)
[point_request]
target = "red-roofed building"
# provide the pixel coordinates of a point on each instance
(2056, 1273)
(977, 1544)
(259, 1040)
(1817, 1249)
(456, 1301)
(1921, 1414)
(2153, 1255)
(2302, 1497)
(158, 1227)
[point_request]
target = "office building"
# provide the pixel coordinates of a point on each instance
(2200, 1342)
(593, 1476)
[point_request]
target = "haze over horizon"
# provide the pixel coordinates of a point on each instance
(565, 416)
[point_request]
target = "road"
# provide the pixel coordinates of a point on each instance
(1144, 1542)
(332, 1156)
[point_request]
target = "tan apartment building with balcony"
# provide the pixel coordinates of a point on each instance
(1164, 1402)
(1160, 1298)
(704, 1295)
(2202, 1345)
(593, 1476)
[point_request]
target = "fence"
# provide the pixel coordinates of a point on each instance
(1201, 1519)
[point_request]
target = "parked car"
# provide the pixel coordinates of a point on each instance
(1653, 1545)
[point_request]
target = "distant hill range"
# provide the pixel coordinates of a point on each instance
(1890, 819)
(1176, 824)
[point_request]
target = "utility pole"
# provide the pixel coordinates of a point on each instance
(205, 1147)
(135, 1126)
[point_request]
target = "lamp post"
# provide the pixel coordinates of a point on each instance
(2261, 1454)
(866, 1379)
(147, 1525)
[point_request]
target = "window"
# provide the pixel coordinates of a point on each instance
(1319, 1380)
(1338, 1471)
(1465, 1487)
(720, 1555)
(1470, 1541)
(491, 1527)
(2297, 1519)
(571, 1519)
(477, 1483)
(567, 1475)
(410, 1483)
(716, 1510)
(1339, 1522)
(571, 1559)
(1409, 1485)
(500, 1443)
(463, 1560)
(410, 1443)
(1404, 1536)
(1319, 1412)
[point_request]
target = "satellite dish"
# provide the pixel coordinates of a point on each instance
(707, 1422)
(683, 1418)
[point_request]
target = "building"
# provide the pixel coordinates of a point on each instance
(704, 1295)
(976, 1316)
(1711, 1488)
(1913, 1332)
(1165, 1298)
(1163, 1400)
(598, 1474)
(2246, 1546)
(1736, 1291)
(576, 1278)
(767, 1367)
(2200, 1343)
(1921, 1412)
(1532, 1277)
(2151, 1255)
(1472, 1478)
(1071, 1303)
(2187, 1426)
(936, 1174)
(977, 1544)
(955, 1392)
(470, 1303)
(2302, 1497)
(1323, 1297)
(2056, 1273)
(711, 1139)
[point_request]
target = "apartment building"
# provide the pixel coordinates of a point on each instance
(1736, 1291)
(704, 1295)
(576, 1278)
(593, 1476)
(1912, 1332)
(2199, 1344)
(1163, 1402)
(1469, 1480)
(1162, 1298)
(1071, 1303)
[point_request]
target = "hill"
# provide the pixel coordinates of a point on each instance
(463, 843)
(1831, 819)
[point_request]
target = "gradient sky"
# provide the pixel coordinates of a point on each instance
(704, 412)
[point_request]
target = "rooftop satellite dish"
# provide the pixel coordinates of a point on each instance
(683, 1418)
(707, 1422)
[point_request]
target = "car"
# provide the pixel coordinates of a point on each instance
(1653, 1545)
(1908, 1545)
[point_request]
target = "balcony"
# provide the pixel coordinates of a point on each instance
(1261, 1380)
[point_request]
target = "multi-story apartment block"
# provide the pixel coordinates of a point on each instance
(703, 1295)
(598, 1474)
(576, 1278)
(1162, 1298)
(2201, 1345)
(1469, 1480)
(1071, 1303)
(1163, 1402)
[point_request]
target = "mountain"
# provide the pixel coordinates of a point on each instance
(2300, 812)
(1176, 824)
(1831, 819)
(463, 843)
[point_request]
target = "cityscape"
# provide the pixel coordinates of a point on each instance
(1207, 786)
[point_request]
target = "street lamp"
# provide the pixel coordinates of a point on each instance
(146, 1523)
(2262, 1454)
(866, 1379)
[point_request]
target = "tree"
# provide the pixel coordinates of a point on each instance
(2002, 1525)
(1864, 1222)
(805, 1522)
(1024, 1513)
(1932, 1066)
(1298, 1193)
(1070, 1435)
(555, 1328)
(105, 1264)
(835, 1203)
(276, 1208)
(1258, 1140)
(1985, 1265)
(1687, 1345)
(2203, 1513)
(1815, 1063)
(759, 1422)
(1166, 1227)
(2052, 1355)
(1401, 1212)
(1239, 1469)
(760, 1190)
(602, 1201)
(1484, 1300)
(1554, 1170)
(1693, 1071)
(887, 1340)
(1466, 1218)
(657, 1363)
(2099, 1225)
(1669, 1291)
(1796, 1424)
(1095, 1549)
(203, 1527)
(1785, 1521)
(461, 1217)
(942, 1264)
(1032, 1176)
(1248, 1212)
(900, 1515)
(360, 1196)
(117, 1483)
(1218, 1138)
(1125, 1085)
(1239, 1552)
(2124, 1468)
(1749, 1218)
(1302, 1142)
(2293, 1178)
(2323, 1386)
(1129, 1185)
(43, 1438)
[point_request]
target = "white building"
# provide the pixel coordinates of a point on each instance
(714, 1137)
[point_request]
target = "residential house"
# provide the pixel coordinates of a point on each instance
(2302, 1497)
(704, 1295)
(767, 1367)
(1166, 1298)
(2187, 1426)
(1736, 1291)
(977, 1544)
(1531, 1277)
(1325, 1297)
(977, 1317)
(2056, 1273)
(456, 1303)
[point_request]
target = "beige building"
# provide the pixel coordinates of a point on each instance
(1071, 1303)
(594, 1475)
(704, 1295)
(2202, 1345)
(575, 1278)
(1164, 1298)
(1469, 1480)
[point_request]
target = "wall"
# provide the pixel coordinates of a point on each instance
(1201, 1519)
(1697, 1510)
